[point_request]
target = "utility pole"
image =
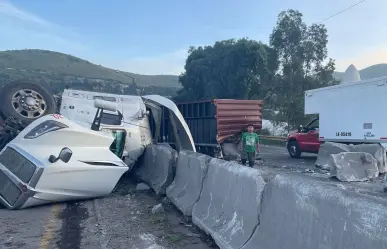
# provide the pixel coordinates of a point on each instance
(127, 75)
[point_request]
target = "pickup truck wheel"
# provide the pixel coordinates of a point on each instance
(26, 101)
(294, 149)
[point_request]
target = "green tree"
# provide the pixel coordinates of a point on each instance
(239, 69)
(302, 54)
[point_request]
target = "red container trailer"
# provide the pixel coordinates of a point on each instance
(215, 122)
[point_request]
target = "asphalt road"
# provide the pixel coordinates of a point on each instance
(125, 220)
(31, 228)
(122, 220)
(278, 157)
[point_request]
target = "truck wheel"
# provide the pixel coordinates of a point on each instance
(26, 101)
(294, 149)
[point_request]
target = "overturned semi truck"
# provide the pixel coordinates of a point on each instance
(82, 151)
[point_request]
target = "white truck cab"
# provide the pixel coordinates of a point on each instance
(131, 129)
(54, 159)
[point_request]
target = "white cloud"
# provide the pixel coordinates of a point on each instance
(20, 29)
(7, 9)
(363, 59)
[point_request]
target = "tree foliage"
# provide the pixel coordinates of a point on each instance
(302, 53)
(296, 60)
(232, 68)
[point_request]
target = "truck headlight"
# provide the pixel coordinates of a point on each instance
(45, 127)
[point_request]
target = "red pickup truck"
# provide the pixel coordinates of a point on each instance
(305, 139)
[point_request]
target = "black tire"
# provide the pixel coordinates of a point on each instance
(294, 150)
(41, 100)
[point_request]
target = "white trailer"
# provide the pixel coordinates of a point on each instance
(351, 112)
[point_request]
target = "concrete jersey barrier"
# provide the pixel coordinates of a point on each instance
(354, 166)
(299, 212)
(185, 190)
(377, 151)
(326, 150)
(229, 204)
(157, 167)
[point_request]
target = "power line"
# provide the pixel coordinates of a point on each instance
(338, 13)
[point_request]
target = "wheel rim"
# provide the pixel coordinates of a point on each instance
(293, 149)
(29, 103)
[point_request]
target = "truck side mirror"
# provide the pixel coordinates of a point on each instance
(301, 128)
(64, 155)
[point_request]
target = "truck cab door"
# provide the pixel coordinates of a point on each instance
(182, 133)
(310, 139)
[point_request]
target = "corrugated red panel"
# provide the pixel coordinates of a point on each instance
(233, 116)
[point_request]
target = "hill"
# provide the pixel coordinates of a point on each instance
(32, 62)
(374, 71)
(58, 67)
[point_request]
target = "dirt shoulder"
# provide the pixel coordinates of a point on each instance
(125, 220)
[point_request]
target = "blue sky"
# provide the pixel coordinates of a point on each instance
(152, 36)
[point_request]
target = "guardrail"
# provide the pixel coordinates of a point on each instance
(273, 138)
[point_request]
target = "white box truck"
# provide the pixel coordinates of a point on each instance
(351, 112)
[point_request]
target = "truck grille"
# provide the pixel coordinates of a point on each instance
(17, 164)
(8, 190)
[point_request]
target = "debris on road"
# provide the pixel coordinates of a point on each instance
(9, 241)
(125, 220)
(158, 209)
(150, 241)
(142, 187)
(354, 166)
(308, 171)
(166, 201)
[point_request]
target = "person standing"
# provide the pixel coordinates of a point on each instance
(250, 141)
